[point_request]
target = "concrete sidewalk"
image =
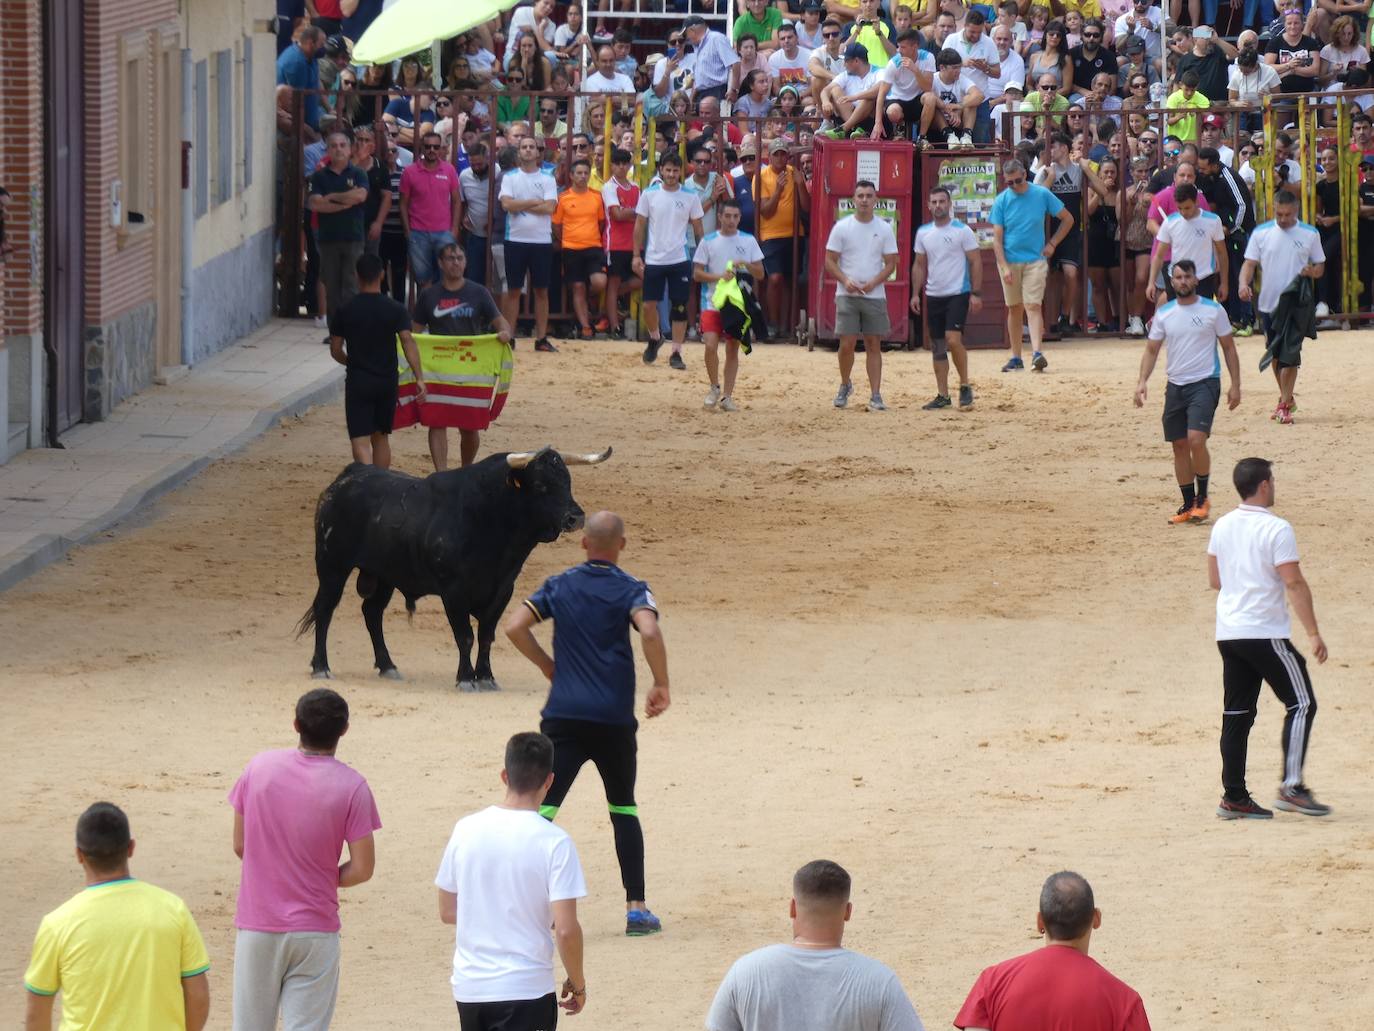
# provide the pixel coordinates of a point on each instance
(51, 500)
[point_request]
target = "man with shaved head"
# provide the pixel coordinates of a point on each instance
(590, 712)
(1058, 985)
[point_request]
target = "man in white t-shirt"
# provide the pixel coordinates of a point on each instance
(1283, 250)
(1196, 235)
(949, 265)
(826, 61)
(717, 257)
(860, 254)
(1143, 21)
(1190, 328)
(900, 83)
(812, 981)
(982, 65)
(950, 106)
(529, 197)
(605, 80)
(1011, 71)
(508, 874)
(848, 102)
(1252, 560)
(787, 64)
(662, 217)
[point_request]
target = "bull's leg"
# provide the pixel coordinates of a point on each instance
(326, 601)
(486, 633)
(373, 608)
(457, 611)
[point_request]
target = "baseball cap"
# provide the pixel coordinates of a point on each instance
(652, 60)
(1367, 161)
(1135, 45)
(780, 143)
(855, 51)
(1014, 86)
(1202, 32)
(692, 21)
(813, 5)
(1214, 121)
(335, 45)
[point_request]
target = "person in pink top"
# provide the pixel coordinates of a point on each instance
(1057, 986)
(431, 208)
(293, 811)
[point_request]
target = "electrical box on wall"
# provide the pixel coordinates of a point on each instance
(116, 203)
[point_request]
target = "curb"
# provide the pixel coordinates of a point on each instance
(49, 548)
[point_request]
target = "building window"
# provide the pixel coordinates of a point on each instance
(135, 129)
(202, 142)
(222, 158)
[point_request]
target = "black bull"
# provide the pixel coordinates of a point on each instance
(463, 534)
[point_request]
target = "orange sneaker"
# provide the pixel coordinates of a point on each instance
(1182, 516)
(1201, 510)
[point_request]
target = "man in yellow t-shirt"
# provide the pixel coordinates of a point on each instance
(1186, 100)
(123, 953)
(781, 198)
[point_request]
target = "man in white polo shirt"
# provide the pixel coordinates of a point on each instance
(860, 254)
(1190, 327)
(1283, 250)
(1196, 236)
(1252, 559)
(664, 214)
(507, 875)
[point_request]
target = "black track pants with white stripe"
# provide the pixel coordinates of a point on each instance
(1246, 665)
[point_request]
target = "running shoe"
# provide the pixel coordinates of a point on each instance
(1246, 809)
(727, 404)
(676, 362)
(965, 398)
(651, 350)
(1061, 326)
(834, 134)
(1182, 517)
(712, 397)
(1243, 330)
(1323, 309)
(1300, 800)
(965, 141)
(639, 922)
(1014, 365)
(546, 345)
(321, 322)
(1039, 362)
(875, 403)
(1202, 508)
(941, 401)
(586, 333)
(859, 134)
(1284, 415)
(603, 325)
(1135, 327)
(842, 398)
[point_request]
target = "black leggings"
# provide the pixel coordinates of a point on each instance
(1246, 665)
(612, 748)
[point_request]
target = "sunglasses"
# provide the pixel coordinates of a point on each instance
(1047, 87)
(1139, 85)
(1173, 153)
(579, 146)
(1149, 141)
(1017, 181)
(443, 103)
(430, 146)
(515, 78)
(830, 35)
(1092, 35)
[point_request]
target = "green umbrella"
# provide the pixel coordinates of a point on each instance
(410, 25)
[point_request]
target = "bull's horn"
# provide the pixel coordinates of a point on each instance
(587, 459)
(520, 459)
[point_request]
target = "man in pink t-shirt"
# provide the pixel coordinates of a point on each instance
(431, 208)
(293, 811)
(1058, 986)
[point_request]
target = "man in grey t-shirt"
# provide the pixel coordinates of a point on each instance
(813, 984)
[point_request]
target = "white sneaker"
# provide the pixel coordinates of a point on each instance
(1135, 326)
(966, 141)
(321, 322)
(1323, 309)
(712, 396)
(727, 404)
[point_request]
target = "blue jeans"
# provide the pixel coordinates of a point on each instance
(424, 247)
(475, 247)
(982, 125)
(1257, 13)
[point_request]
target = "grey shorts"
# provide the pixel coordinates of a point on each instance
(296, 973)
(861, 316)
(338, 272)
(1191, 406)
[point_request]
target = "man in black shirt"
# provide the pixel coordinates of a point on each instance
(1230, 200)
(1208, 58)
(1090, 57)
(1366, 230)
(378, 203)
(457, 307)
(338, 193)
(362, 338)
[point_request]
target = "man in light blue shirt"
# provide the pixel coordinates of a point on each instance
(1018, 241)
(714, 58)
(296, 67)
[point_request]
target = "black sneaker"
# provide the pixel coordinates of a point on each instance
(1300, 800)
(965, 398)
(1246, 809)
(676, 362)
(1061, 326)
(651, 350)
(941, 401)
(546, 345)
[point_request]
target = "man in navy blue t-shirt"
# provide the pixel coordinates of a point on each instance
(590, 712)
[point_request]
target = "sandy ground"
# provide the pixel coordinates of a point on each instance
(954, 652)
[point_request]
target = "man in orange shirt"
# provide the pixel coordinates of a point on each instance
(578, 223)
(780, 191)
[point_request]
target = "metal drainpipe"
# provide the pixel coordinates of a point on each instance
(188, 227)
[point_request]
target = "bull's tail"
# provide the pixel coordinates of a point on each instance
(307, 622)
(410, 609)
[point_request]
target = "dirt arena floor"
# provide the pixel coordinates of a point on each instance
(954, 652)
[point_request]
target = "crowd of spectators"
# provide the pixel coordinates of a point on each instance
(744, 100)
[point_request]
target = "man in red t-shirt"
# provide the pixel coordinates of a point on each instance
(1057, 986)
